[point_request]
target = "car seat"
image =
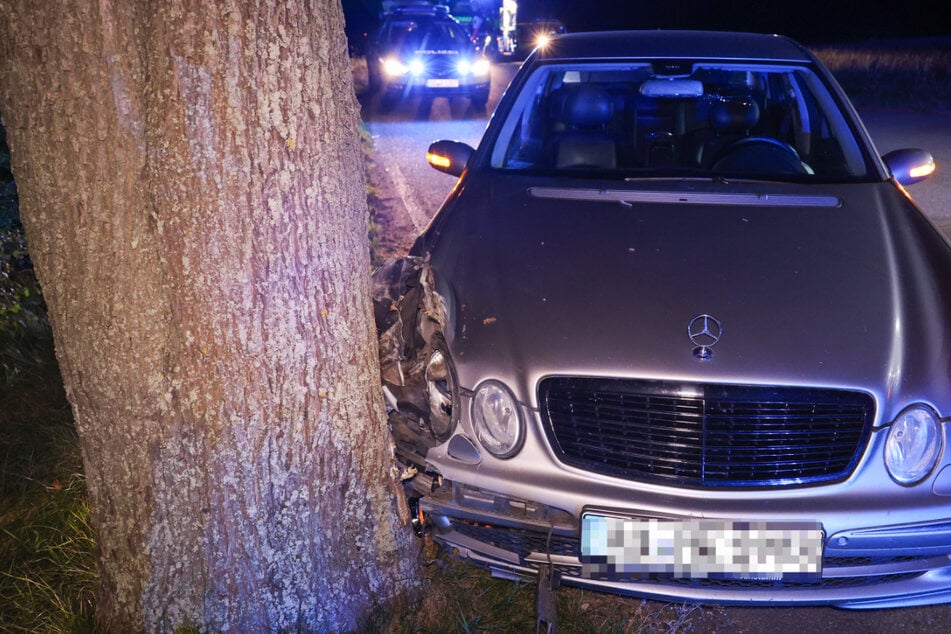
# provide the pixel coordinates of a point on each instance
(730, 118)
(581, 113)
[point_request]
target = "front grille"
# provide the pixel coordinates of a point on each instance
(521, 541)
(442, 66)
(700, 435)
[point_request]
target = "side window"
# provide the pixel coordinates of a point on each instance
(527, 143)
(820, 140)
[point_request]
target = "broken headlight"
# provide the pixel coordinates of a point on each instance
(496, 419)
(440, 393)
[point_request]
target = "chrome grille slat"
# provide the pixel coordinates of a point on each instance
(714, 436)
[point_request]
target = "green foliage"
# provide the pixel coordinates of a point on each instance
(23, 321)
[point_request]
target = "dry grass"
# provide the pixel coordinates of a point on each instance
(47, 563)
(893, 76)
(461, 598)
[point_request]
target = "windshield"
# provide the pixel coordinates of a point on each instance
(414, 36)
(678, 118)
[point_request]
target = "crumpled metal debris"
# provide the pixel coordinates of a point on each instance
(410, 319)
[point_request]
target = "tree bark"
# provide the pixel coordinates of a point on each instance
(191, 186)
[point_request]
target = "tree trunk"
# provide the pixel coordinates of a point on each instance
(191, 186)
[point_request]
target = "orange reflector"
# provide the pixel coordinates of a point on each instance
(437, 161)
(921, 171)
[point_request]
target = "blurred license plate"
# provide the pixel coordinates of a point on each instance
(442, 83)
(625, 548)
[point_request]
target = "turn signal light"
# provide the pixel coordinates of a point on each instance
(437, 160)
(922, 171)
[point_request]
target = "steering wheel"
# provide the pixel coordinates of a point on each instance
(759, 155)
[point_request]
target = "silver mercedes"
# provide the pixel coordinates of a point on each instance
(679, 332)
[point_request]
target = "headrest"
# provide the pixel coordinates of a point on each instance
(734, 115)
(582, 105)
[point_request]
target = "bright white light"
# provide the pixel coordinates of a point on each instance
(417, 67)
(394, 67)
(463, 67)
(542, 40)
(480, 67)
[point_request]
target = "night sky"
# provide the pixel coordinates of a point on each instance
(810, 21)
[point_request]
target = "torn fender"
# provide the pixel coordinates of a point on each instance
(416, 372)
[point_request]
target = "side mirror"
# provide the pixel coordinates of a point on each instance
(910, 166)
(450, 157)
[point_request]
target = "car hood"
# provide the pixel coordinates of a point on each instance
(838, 285)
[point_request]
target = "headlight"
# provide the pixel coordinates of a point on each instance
(913, 445)
(475, 67)
(440, 393)
(417, 67)
(496, 419)
(394, 67)
(480, 67)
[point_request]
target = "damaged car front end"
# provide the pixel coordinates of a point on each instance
(679, 333)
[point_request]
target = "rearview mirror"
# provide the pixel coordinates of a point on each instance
(672, 88)
(910, 166)
(450, 157)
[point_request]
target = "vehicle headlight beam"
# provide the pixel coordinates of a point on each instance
(394, 67)
(480, 67)
(417, 67)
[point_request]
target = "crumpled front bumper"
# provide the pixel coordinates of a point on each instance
(896, 566)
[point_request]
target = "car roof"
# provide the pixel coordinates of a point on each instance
(416, 8)
(674, 44)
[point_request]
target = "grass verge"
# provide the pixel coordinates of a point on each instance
(461, 598)
(47, 562)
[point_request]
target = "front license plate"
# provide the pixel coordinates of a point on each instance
(627, 548)
(442, 83)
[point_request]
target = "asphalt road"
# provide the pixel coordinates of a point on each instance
(402, 135)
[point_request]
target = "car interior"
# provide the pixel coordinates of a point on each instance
(757, 120)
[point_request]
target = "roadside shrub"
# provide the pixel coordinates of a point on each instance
(23, 321)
